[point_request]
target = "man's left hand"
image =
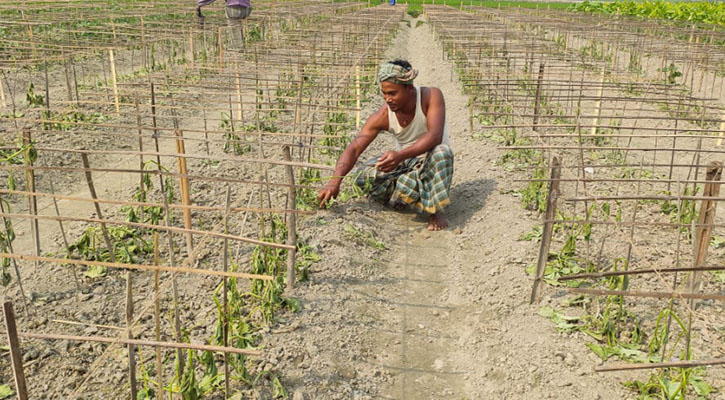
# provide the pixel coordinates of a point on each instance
(388, 161)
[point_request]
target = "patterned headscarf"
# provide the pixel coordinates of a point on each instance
(396, 74)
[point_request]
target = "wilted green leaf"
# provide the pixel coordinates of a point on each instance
(95, 272)
(6, 391)
(293, 304)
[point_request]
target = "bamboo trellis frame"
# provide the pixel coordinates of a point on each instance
(151, 119)
(599, 134)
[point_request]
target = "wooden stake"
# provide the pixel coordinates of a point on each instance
(221, 50)
(68, 86)
(170, 237)
(705, 220)
(184, 185)
(62, 232)
(112, 62)
(113, 29)
(30, 184)
(30, 34)
(298, 106)
(240, 116)
(225, 300)
(291, 221)
(357, 96)
(157, 317)
(129, 335)
(3, 103)
(470, 116)
(143, 44)
(92, 189)
(7, 224)
(600, 93)
(15, 352)
(537, 100)
(191, 47)
(722, 129)
(548, 227)
(47, 88)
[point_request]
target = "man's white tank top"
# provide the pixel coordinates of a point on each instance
(417, 127)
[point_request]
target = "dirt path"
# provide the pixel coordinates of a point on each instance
(424, 323)
(448, 315)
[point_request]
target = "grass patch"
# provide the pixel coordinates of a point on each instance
(416, 6)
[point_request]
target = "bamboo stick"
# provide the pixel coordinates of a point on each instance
(7, 226)
(92, 190)
(30, 185)
(15, 351)
(291, 223)
(63, 234)
(3, 102)
(112, 63)
(656, 295)
(548, 228)
(672, 364)
(705, 220)
(172, 206)
(225, 301)
(138, 342)
(157, 317)
(129, 335)
(185, 191)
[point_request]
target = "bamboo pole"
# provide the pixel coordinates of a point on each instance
(225, 300)
(3, 102)
(672, 364)
(15, 352)
(548, 228)
(7, 225)
(291, 222)
(30, 185)
(722, 129)
(185, 191)
(129, 335)
(598, 106)
(240, 111)
(137, 342)
(705, 220)
(537, 99)
(157, 317)
(92, 190)
(654, 295)
(63, 234)
(112, 63)
(357, 97)
(172, 206)
(68, 87)
(191, 48)
(221, 49)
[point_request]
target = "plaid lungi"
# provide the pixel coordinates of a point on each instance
(421, 182)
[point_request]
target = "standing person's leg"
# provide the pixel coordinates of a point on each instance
(245, 13)
(234, 20)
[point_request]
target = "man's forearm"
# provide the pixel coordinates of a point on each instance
(423, 145)
(344, 164)
(202, 3)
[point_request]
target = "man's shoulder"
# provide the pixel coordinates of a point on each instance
(427, 93)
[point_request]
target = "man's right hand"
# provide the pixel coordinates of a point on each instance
(330, 191)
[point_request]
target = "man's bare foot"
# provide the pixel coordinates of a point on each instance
(437, 222)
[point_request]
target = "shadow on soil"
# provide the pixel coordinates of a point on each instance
(467, 198)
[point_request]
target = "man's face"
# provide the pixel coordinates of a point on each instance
(395, 95)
